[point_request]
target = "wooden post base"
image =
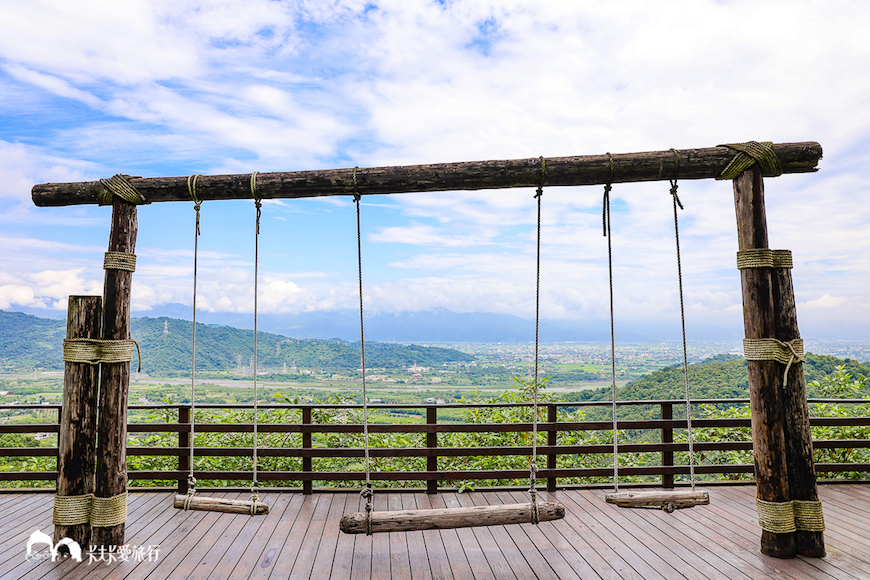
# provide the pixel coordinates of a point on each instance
(227, 506)
(447, 518)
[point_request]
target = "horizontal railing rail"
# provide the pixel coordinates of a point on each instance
(303, 447)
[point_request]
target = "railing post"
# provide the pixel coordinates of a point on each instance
(552, 438)
(184, 441)
(667, 437)
(432, 443)
(307, 484)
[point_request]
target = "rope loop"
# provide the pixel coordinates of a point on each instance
(605, 210)
(356, 195)
(540, 190)
(786, 353)
(94, 351)
(191, 189)
(674, 179)
(108, 512)
(764, 258)
(748, 154)
(119, 184)
(119, 261)
(257, 199)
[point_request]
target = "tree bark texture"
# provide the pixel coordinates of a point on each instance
(799, 441)
(560, 171)
(77, 441)
(447, 518)
(765, 377)
(111, 477)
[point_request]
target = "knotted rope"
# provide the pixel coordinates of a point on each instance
(367, 491)
(119, 261)
(533, 466)
(94, 351)
(197, 204)
(786, 353)
(605, 218)
(119, 184)
(763, 258)
(258, 205)
(748, 154)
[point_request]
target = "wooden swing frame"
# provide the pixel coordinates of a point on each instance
(781, 434)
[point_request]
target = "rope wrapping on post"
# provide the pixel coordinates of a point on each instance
(94, 351)
(119, 261)
(763, 258)
(119, 184)
(775, 517)
(107, 512)
(785, 353)
(808, 516)
(72, 510)
(750, 153)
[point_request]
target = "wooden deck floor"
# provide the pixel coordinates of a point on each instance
(300, 539)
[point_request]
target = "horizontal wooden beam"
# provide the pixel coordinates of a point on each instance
(560, 171)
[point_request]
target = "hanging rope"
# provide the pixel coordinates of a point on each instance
(605, 218)
(191, 480)
(677, 203)
(533, 467)
(255, 496)
(367, 492)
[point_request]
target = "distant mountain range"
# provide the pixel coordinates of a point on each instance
(441, 325)
(30, 342)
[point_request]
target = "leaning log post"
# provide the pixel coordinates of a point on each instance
(111, 477)
(765, 377)
(798, 441)
(76, 444)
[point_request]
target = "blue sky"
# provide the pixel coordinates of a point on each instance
(89, 89)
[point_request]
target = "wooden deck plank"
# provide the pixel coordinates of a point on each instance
(293, 543)
(457, 560)
(325, 556)
(719, 540)
(261, 553)
(436, 553)
(400, 559)
(670, 549)
(417, 553)
(308, 549)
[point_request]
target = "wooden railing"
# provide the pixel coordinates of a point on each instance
(309, 448)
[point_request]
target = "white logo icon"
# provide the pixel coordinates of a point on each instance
(38, 537)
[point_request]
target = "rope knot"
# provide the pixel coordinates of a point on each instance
(119, 184)
(748, 154)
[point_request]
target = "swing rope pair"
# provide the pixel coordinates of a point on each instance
(190, 501)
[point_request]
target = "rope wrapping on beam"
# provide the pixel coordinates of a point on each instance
(72, 510)
(94, 351)
(119, 184)
(108, 512)
(119, 261)
(763, 258)
(750, 153)
(775, 517)
(808, 516)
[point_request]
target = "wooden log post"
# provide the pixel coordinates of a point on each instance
(77, 441)
(111, 476)
(765, 377)
(798, 441)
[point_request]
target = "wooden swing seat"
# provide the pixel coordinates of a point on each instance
(447, 518)
(228, 506)
(666, 500)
